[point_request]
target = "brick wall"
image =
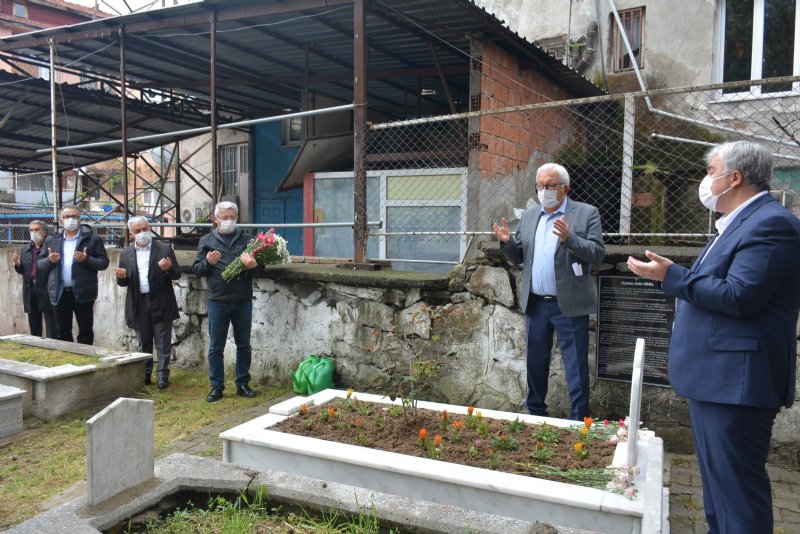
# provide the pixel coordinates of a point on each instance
(508, 141)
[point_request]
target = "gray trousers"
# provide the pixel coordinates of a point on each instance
(150, 333)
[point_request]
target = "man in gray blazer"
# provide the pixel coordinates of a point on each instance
(557, 244)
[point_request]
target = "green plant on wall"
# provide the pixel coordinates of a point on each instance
(650, 173)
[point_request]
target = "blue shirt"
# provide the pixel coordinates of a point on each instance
(543, 273)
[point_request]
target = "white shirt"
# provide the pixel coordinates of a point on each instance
(68, 257)
(723, 222)
(543, 270)
(143, 264)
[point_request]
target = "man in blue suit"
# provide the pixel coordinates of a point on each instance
(733, 351)
(557, 244)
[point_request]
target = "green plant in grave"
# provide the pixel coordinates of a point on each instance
(417, 380)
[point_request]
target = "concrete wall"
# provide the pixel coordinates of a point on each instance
(678, 35)
(376, 324)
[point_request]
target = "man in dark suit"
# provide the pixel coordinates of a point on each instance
(147, 268)
(557, 244)
(34, 288)
(71, 260)
(733, 351)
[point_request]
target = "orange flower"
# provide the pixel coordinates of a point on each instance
(587, 421)
(331, 411)
(458, 425)
(578, 447)
(423, 433)
(470, 408)
(444, 415)
(358, 422)
(304, 409)
(437, 440)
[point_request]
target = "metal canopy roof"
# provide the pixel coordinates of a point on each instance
(262, 47)
(82, 116)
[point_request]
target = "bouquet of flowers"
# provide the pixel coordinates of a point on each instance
(268, 248)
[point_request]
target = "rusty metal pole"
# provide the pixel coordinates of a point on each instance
(213, 90)
(124, 129)
(359, 127)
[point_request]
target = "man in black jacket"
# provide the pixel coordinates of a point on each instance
(71, 261)
(229, 303)
(34, 288)
(147, 268)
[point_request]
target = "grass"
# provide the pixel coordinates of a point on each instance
(255, 514)
(51, 456)
(41, 356)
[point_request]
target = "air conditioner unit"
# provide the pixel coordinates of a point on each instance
(186, 215)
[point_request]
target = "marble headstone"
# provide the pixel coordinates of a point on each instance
(119, 448)
(636, 400)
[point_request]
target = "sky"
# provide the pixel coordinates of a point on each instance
(109, 6)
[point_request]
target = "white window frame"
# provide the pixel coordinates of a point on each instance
(23, 6)
(757, 53)
(241, 156)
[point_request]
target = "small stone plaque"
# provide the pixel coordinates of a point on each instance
(11, 399)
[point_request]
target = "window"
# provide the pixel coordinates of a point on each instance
(759, 41)
(633, 25)
(34, 182)
(233, 166)
(20, 10)
(292, 131)
(149, 197)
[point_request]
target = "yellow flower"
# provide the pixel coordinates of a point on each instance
(479, 415)
(584, 431)
(349, 392)
(578, 447)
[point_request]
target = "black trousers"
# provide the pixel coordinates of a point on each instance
(41, 307)
(147, 332)
(84, 315)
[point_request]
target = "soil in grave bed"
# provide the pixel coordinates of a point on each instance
(508, 446)
(41, 356)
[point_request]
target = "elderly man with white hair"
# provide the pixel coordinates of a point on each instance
(230, 304)
(147, 268)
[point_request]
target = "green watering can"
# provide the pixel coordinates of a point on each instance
(314, 374)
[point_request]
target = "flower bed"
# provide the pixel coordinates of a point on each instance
(257, 445)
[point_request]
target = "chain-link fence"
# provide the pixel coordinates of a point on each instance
(437, 184)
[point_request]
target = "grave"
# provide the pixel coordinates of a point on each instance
(54, 391)
(255, 445)
(10, 411)
(119, 449)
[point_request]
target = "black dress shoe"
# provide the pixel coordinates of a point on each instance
(245, 391)
(214, 395)
(163, 382)
(148, 379)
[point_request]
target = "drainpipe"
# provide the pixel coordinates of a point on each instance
(588, 50)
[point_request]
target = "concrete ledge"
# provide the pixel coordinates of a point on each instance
(10, 411)
(181, 472)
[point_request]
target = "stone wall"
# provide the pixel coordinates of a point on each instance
(376, 324)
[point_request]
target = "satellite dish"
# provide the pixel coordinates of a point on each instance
(187, 215)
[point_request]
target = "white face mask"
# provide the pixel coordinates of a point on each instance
(143, 238)
(704, 193)
(548, 198)
(70, 224)
(36, 237)
(227, 226)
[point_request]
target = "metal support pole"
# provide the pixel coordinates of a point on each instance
(124, 128)
(53, 153)
(626, 191)
(178, 213)
(213, 95)
(360, 230)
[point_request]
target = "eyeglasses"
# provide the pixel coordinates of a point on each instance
(550, 187)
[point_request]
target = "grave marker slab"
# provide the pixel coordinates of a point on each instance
(10, 410)
(636, 400)
(119, 448)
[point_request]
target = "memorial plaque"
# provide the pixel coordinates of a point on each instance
(633, 308)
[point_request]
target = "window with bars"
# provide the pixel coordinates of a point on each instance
(633, 26)
(233, 166)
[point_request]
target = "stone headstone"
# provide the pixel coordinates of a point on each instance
(11, 399)
(119, 448)
(636, 401)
